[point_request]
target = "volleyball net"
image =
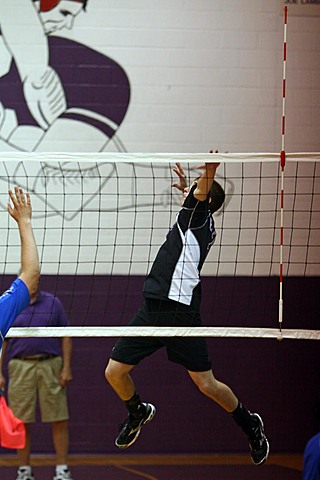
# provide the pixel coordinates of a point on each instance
(99, 220)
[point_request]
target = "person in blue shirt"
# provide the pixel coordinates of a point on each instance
(311, 459)
(25, 288)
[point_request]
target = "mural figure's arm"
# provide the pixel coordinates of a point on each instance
(25, 39)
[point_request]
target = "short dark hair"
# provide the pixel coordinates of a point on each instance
(217, 195)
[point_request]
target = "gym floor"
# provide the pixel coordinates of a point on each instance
(163, 467)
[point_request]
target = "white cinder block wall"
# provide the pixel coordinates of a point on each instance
(208, 73)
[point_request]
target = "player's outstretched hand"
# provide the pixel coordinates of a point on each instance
(20, 209)
(211, 165)
(182, 184)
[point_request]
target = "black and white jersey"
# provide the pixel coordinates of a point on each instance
(175, 273)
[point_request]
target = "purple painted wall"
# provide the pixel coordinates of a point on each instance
(278, 379)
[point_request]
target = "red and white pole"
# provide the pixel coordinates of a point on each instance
(282, 165)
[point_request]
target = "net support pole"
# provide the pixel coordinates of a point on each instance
(282, 166)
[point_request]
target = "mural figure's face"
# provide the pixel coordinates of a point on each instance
(61, 16)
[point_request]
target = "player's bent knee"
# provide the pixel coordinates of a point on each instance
(205, 382)
(115, 370)
(109, 372)
(204, 387)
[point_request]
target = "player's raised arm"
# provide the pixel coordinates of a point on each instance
(204, 183)
(21, 211)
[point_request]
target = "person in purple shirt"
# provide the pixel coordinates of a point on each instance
(40, 368)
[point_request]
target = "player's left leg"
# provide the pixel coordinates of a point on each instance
(250, 423)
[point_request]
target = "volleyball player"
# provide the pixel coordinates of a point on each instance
(172, 299)
(25, 287)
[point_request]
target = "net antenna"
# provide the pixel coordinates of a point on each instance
(282, 166)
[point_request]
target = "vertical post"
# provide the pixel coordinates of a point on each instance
(282, 166)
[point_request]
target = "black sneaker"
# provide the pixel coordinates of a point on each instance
(130, 429)
(258, 442)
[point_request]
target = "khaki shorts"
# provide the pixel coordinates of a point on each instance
(29, 379)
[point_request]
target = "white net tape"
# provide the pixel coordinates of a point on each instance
(196, 158)
(165, 332)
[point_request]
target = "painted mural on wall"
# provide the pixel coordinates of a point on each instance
(56, 93)
(62, 95)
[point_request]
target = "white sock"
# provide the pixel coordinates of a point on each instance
(61, 468)
(26, 469)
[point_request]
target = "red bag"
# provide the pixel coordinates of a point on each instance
(12, 430)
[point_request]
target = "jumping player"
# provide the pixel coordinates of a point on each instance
(172, 299)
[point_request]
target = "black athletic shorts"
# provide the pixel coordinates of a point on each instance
(191, 352)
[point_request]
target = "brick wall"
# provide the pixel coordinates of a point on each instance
(209, 74)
